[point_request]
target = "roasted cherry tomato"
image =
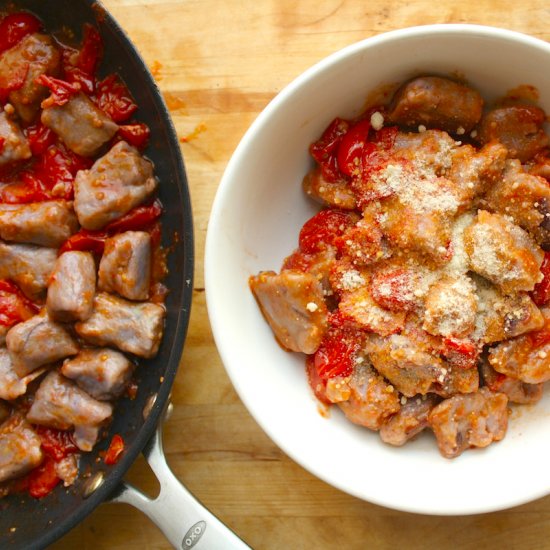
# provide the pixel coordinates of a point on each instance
(91, 51)
(115, 450)
(540, 337)
(2, 143)
(374, 157)
(460, 352)
(322, 229)
(14, 27)
(393, 290)
(140, 218)
(114, 99)
(299, 260)
(350, 149)
(337, 352)
(14, 306)
(58, 164)
(80, 66)
(541, 292)
(325, 149)
(61, 90)
(137, 219)
(85, 241)
(50, 177)
(57, 444)
(40, 138)
(135, 134)
(317, 384)
(385, 137)
(375, 152)
(28, 190)
(43, 479)
(77, 77)
(73, 75)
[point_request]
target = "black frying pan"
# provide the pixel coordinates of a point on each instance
(29, 523)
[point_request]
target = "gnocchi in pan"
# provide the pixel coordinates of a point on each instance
(81, 266)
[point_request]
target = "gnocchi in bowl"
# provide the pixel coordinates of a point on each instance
(381, 234)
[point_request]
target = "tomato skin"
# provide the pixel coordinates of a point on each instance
(60, 164)
(540, 337)
(375, 153)
(137, 219)
(298, 260)
(541, 292)
(61, 90)
(79, 67)
(77, 77)
(323, 229)
(337, 352)
(393, 290)
(333, 358)
(115, 450)
(351, 147)
(461, 353)
(135, 134)
(43, 479)
(91, 51)
(325, 149)
(14, 305)
(385, 137)
(317, 384)
(57, 444)
(114, 99)
(140, 218)
(28, 190)
(85, 241)
(40, 138)
(14, 27)
(50, 177)
(8, 286)
(374, 157)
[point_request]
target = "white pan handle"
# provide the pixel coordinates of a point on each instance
(185, 522)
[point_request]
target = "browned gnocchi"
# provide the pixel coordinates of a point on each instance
(434, 240)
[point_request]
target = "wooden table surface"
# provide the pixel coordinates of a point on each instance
(218, 64)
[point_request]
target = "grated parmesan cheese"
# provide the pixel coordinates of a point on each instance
(377, 120)
(352, 280)
(451, 307)
(414, 179)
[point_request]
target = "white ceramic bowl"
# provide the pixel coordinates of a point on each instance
(256, 217)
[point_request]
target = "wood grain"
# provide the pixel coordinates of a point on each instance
(218, 64)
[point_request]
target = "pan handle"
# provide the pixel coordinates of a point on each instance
(185, 522)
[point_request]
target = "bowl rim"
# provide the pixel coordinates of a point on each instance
(225, 188)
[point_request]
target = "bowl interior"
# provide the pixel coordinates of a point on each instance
(255, 221)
